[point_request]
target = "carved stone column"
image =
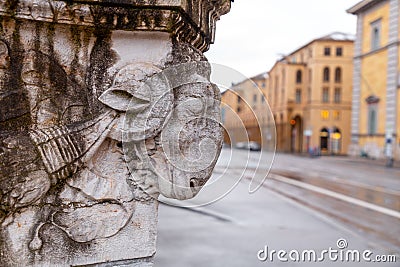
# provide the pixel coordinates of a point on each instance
(104, 105)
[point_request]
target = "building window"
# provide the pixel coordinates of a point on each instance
(310, 76)
(298, 76)
(338, 95)
(372, 119)
(298, 96)
(339, 51)
(263, 99)
(372, 102)
(327, 51)
(309, 94)
(326, 74)
(376, 34)
(254, 98)
(336, 115)
(325, 114)
(263, 85)
(325, 95)
(239, 99)
(238, 109)
(338, 75)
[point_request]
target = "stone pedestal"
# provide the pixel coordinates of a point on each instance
(104, 105)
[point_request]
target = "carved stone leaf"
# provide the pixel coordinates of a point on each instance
(116, 99)
(35, 186)
(122, 100)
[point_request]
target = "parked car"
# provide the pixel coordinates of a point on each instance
(253, 146)
(226, 145)
(241, 145)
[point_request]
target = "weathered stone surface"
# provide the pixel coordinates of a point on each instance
(190, 21)
(104, 105)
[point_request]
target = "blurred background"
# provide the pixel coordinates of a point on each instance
(311, 115)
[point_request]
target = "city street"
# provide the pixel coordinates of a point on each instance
(304, 204)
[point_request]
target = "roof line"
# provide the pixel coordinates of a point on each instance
(258, 76)
(360, 6)
(323, 38)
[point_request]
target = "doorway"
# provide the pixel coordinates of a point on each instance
(296, 134)
(336, 141)
(324, 139)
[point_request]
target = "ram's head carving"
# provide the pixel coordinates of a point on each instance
(171, 131)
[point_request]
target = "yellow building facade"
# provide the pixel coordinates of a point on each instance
(310, 93)
(376, 98)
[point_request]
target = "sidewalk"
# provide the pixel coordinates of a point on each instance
(357, 160)
(364, 171)
(232, 230)
(370, 161)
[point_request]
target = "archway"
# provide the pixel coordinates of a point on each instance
(324, 139)
(336, 141)
(296, 134)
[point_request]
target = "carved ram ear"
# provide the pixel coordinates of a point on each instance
(120, 99)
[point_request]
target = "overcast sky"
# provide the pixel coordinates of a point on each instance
(255, 33)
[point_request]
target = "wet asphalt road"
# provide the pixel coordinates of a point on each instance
(280, 215)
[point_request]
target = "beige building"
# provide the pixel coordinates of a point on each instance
(245, 111)
(310, 93)
(376, 98)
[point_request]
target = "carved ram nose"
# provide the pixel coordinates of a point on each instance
(197, 184)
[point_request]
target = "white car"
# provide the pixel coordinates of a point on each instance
(241, 145)
(253, 146)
